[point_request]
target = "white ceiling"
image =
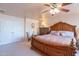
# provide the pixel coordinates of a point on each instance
(33, 9)
(19, 9)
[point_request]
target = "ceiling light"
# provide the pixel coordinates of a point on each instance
(54, 11)
(59, 5)
(51, 11)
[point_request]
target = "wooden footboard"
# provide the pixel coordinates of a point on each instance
(53, 50)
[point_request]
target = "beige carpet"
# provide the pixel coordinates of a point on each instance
(18, 49)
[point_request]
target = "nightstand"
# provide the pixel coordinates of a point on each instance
(44, 30)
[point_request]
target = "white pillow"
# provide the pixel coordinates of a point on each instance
(67, 33)
(63, 33)
(55, 33)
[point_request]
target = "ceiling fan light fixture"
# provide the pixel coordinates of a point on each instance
(54, 11)
(59, 5)
(55, 8)
(51, 11)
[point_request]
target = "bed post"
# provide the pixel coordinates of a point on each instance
(73, 47)
(72, 43)
(75, 35)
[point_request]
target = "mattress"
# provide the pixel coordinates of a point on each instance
(55, 40)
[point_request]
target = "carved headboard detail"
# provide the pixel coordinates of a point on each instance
(61, 26)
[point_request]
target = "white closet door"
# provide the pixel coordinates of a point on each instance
(11, 30)
(18, 30)
(5, 35)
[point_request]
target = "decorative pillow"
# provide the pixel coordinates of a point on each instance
(67, 33)
(55, 33)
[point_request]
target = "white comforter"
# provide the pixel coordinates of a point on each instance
(55, 39)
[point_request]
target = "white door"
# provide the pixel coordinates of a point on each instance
(5, 35)
(11, 30)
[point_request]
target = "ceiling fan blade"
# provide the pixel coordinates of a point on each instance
(64, 4)
(65, 10)
(44, 11)
(47, 5)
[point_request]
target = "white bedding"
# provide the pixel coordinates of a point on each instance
(55, 39)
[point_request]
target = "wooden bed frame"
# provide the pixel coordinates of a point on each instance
(56, 50)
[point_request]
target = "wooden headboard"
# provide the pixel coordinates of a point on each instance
(61, 26)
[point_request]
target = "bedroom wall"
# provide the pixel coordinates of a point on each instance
(11, 29)
(71, 19)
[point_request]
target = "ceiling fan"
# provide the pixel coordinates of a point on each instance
(54, 8)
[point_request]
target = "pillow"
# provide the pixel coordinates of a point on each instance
(63, 33)
(55, 33)
(67, 33)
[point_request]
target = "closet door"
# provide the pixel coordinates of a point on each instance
(11, 30)
(17, 32)
(5, 35)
